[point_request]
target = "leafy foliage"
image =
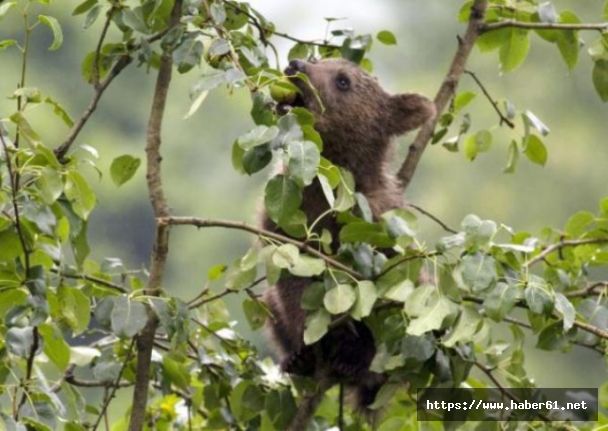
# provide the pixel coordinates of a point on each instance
(68, 320)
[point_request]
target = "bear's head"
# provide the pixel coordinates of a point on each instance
(350, 105)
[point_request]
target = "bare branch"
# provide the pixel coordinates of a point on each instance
(600, 26)
(446, 92)
(590, 290)
(90, 278)
(14, 189)
(303, 246)
(102, 37)
(100, 88)
(561, 244)
(158, 258)
(432, 217)
(503, 118)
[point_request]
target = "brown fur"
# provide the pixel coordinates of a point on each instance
(356, 125)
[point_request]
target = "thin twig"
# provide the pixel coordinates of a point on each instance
(115, 386)
(102, 37)
(29, 368)
(407, 259)
(600, 26)
(305, 42)
(14, 186)
(100, 88)
(503, 118)
(197, 302)
(589, 290)
(518, 322)
(445, 93)
(561, 244)
(432, 217)
(90, 278)
(122, 63)
(204, 223)
(488, 372)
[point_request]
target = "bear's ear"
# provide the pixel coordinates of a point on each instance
(408, 111)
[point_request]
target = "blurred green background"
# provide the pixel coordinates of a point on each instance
(199, 179)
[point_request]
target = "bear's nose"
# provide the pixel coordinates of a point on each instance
(294, 67)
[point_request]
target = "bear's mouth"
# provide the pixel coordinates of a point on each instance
(284, 107)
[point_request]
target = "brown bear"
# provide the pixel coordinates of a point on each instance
(356, 120)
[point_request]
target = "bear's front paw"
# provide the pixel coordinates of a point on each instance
(301, 363)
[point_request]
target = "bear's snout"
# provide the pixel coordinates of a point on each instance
(294, 67)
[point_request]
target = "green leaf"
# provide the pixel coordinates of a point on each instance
(304, 158)
(492, 40)
(565, 308)
(514, 50)
(20, 340)
(316, 326)
(80, 194)
(128, 317)
(4, 8)
(59, 111)
(387, 37)
(11, 245)
(535, 150)
(282, 198)
(400, 291)
(258, 136)
(500, 301)
(10, 298)
(432, 316)
(371, 233)
(177, 372)
(53, 24)
(299, 51)
(216, 272)
(74, 308)
(366, 298)
(462, 99)
(256, 159)
(339, 298)
(7, 43)
(600, 79)
(255, 313)
(306, 266)
(467, 325)
(25, 128)
(83, 7)
(537, 295)
(55, 346)
(50, 185)
(513, 158)
(478, 271)
(477, 143)
(123, 168)
(579, 223)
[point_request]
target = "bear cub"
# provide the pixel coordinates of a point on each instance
(356, 120)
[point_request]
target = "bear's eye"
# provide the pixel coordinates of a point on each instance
(342, 82)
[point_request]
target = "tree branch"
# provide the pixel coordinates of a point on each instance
(158, 258)
(503, 118)
(303, 246)
(563, 243)
(600, 26)
(309, 403)
(100, 88)
(445, 93)
(90, 278)
(432, 217)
